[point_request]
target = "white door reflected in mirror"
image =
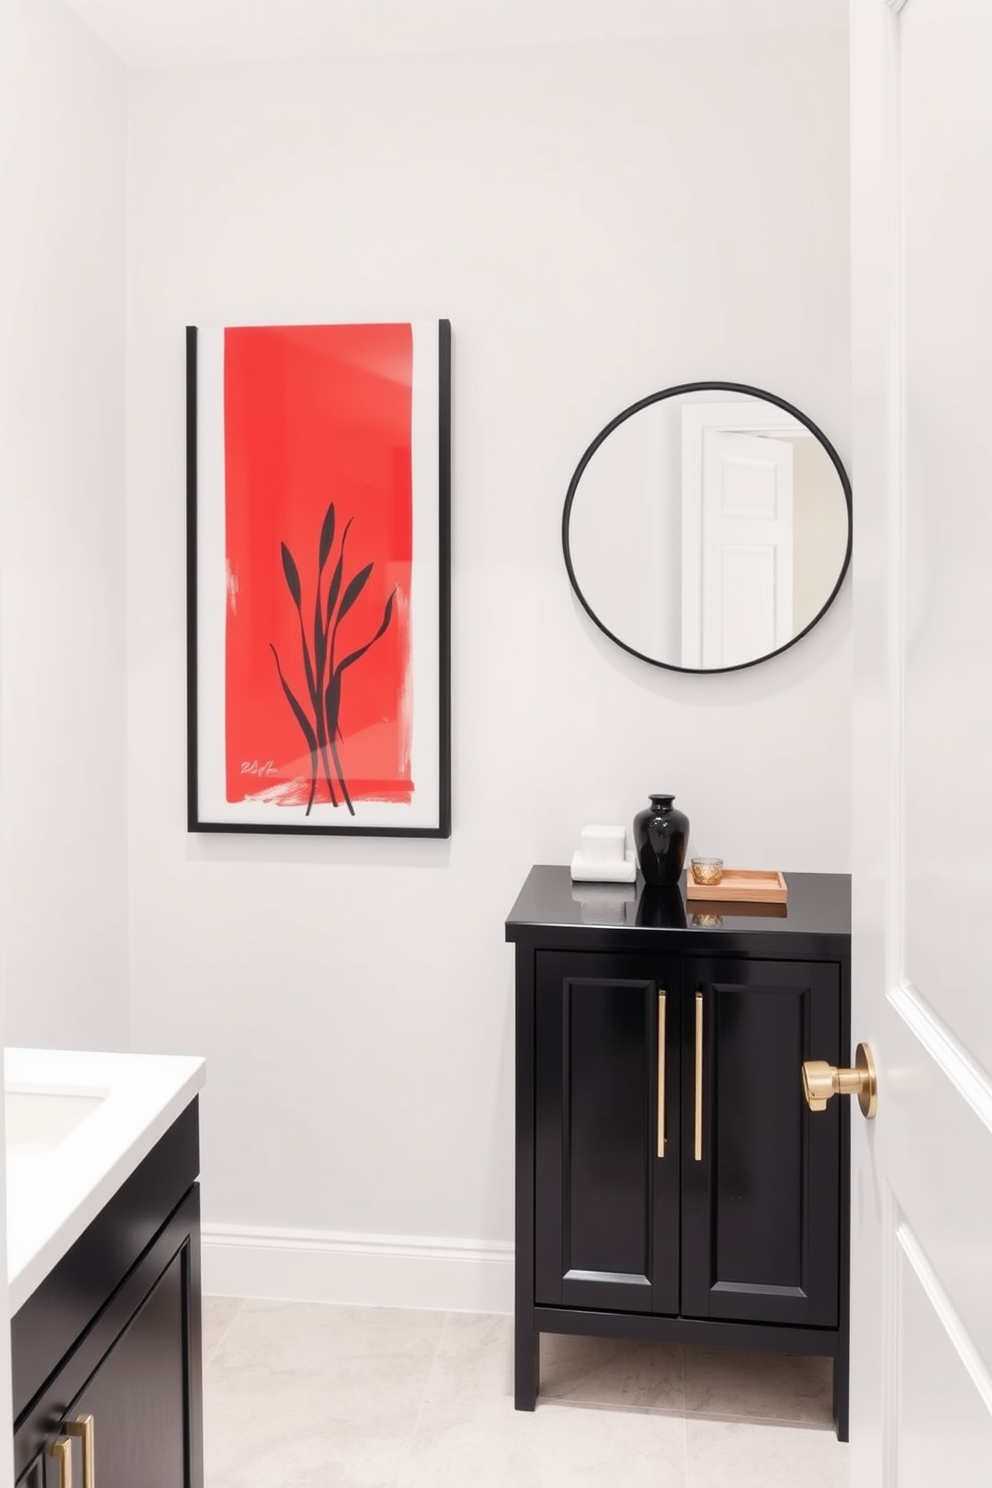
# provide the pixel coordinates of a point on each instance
(708, 527)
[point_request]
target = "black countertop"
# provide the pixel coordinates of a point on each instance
(552, 911)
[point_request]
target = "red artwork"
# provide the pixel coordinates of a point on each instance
(318, 511)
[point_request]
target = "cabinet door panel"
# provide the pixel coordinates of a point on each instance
(761, 1205)
(607, 1205)
(137, 1396)
(35, 1475)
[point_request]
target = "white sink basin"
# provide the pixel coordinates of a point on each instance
(38, 1121)
(77, 1126)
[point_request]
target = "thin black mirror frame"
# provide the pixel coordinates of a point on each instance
(674, 392)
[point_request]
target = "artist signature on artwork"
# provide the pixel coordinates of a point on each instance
(261, 768)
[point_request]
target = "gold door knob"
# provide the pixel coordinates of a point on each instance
(821, 1081)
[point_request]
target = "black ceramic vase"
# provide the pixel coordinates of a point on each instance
(660, 836)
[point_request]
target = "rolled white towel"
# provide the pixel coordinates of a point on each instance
(603, 844)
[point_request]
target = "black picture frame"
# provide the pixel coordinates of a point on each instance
(428, 616)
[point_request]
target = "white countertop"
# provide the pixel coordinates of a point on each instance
(121, 1104)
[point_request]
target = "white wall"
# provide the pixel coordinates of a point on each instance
(625, 532)
(63, 722)
(597, 223)
(819, 527)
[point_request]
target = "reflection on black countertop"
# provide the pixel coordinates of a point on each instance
(551, 907)
(662, 908)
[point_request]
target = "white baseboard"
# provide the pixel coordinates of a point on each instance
(366, 1270)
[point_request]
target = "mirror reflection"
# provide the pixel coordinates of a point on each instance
(708, 527)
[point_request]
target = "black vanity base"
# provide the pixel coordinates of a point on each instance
(114, 1333)
(671, 1183)
(527, 1345)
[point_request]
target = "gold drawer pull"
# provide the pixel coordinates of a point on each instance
(698, 1142)
(82, 1427)
(661, 1074)
(61, 1450)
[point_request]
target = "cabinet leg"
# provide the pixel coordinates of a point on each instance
(842, 1391)
(526, 1366)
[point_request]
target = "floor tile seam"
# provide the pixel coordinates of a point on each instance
(218, 1343)
(622, 1407)
(805, 1423)
(752, 1415)
(412, 1436)
(825, 1428)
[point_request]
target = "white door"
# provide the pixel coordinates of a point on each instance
(742, 607)
(922, 1170)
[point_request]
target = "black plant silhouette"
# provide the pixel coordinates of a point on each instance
(321, 725)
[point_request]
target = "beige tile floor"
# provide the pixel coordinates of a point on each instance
(310, 1396)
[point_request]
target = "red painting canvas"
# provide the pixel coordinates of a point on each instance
(311, 460)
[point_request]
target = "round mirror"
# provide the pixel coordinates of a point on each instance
(708, 527)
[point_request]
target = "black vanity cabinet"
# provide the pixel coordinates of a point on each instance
(109, 1344)
(671, 1182)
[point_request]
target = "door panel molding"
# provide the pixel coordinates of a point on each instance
(753, 1008)
(607, 1206)
(890, 1341)
(895, 508)
(969, 1079)
(943, 148)
(921, 1214)
(958, 1335)
(587, 1005)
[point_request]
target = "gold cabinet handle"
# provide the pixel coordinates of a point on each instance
(61, 1450)
(661, 1074)
(822, 1081)
(82, 1427)
(698, 1141)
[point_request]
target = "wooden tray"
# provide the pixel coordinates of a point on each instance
(754, 885)
(740, 909)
